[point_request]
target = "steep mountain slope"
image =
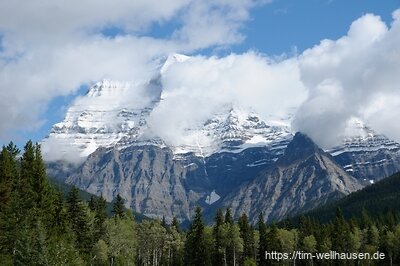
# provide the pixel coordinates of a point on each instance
(110, 128)
(147, 177)
(365, 154)
(116, 113)
(303, 178)
(108, 112)
(376, 199)
(65, 189)
(155, 182)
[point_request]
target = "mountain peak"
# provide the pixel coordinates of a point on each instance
(172, 59)
(107, 87)
(301, 147)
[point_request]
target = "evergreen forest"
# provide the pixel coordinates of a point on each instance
(40, 225)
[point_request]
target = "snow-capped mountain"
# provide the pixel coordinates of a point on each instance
(112, 129)
(108, 112)
(366, 154)
(111, 114)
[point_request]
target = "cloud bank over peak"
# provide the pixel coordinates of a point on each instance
(356, 75)
(49, 49)
(198, 87)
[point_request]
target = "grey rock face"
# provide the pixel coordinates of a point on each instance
(147, 177)
(303, 178)
(366, 154)
(370, 166)
(155, 183)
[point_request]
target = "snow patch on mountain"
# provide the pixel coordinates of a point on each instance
(359, 137)
(212, 198)
(109, 111)
(114, 113)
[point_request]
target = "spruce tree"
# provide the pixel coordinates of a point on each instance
(228, 216)
(195, 247)
(263, 241)
(79, 221)
(340, 233)
(273, 243)
(25, 184)
(247, 234)
(218, 256)
(92, 203)
(44, 194)
(118, 207)
(8, 176)
(175, 224)
(164, 222)
(100, 218)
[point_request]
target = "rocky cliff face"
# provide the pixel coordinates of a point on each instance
(303, 178)
(156, 183)
(110, 128)
(147, 177)
(365, 154)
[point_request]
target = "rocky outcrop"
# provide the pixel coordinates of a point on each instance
(303, 178)
(367, 155)
(147, 177)
(157, 183)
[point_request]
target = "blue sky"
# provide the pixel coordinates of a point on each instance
(282, 27)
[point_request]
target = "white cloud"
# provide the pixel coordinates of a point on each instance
(346, 76)
(195, 89)
(50, 49)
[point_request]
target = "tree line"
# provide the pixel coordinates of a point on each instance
(39, 226)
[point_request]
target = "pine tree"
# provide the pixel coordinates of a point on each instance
(13, 149)
(99, 218)
(25, 185)
(175, 224)
(118, 207)
(196, 252)
(365, 219)
(92, 203)
(8, 176)
(218, 254)
(59, 219)
(44, 193)
(263, 242)
(164, 222)
(247, 234)
(273, 243)
(340, 233)
(228, 216)
(79, 221)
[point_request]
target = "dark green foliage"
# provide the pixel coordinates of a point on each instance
(247, 234)
(78, 217)
(273, 242)
(196, 249)
(92, 203)
(100, 217)
(118, 207)
(377, 199)
(263, 241)
(8, 175)
(164, 222)
(228, 216)
(38, 226)
(175, 224)
(218, 254)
